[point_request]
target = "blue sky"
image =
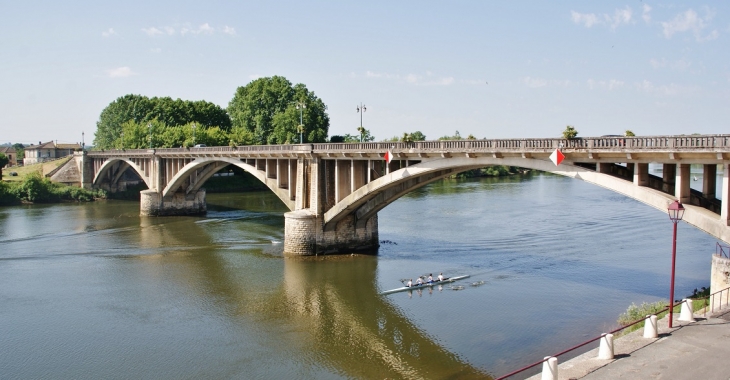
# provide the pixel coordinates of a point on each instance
(491, 69)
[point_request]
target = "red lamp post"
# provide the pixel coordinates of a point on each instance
(676, 212)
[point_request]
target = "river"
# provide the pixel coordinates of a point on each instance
(95, 291)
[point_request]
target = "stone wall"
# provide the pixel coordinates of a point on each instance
(305, 234)
(719, 278)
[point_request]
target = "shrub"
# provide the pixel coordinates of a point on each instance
(634, 312)
(570, 132)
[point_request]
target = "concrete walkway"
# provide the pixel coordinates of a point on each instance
(694, 350)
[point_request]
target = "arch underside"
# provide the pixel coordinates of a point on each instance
(192, 176)
(366, 201)
(116, 168)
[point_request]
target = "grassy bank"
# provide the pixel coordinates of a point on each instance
(34, 188)
(636, 312)
(42, 168)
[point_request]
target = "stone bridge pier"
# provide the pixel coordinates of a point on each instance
(322, 184)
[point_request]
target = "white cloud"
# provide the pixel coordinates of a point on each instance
(202, 29)
(690, 21)
(109, 33)
(187, 29)
(430, 79)
(587, 19)
(534, 82)
(121, 72)
(229, 30)
(620, 16)
(671, 89)
(645, 14)
(611, 84)
(678, 65)
(152, 31)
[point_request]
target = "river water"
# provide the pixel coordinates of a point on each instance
(96, 291)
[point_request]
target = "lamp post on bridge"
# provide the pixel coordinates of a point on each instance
(82, 141)
(193, 134)
(149, 126)
(361, 110)
(301, 106)
(676, 212)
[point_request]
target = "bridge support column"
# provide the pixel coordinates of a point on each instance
(305, 235)
(709, 181)
(668, 176)
(725, 205)
(681, 183)
(87, 171)
(151, 203)
(641, 174)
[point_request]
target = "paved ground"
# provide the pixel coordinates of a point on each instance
(696, 350)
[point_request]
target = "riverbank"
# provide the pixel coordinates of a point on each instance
(688, 350)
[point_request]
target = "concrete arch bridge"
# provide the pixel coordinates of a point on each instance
(335, 190)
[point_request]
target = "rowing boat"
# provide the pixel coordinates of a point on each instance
(424, 285)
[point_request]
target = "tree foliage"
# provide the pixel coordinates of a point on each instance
(264, 112)
(456, 136)
(570, 132)
(143, 110)
(629, 133)
(4, 160)
(19, 151)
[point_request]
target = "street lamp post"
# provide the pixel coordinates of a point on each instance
(361, 110)
(149, 126)
(193, 134)
(82, 141)
(301, 106)
(676, 212)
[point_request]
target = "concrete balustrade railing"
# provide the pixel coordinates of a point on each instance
(672, 143)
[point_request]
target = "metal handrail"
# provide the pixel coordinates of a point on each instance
(719, 295)
(580, 345)
(720, 250)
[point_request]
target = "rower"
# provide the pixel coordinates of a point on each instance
(419, 282)
(409, 283)
(441, 277)
(430, 278)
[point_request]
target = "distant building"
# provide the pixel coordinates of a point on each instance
(48, 151)
(9, 151)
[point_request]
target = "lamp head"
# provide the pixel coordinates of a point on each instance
(676, 211)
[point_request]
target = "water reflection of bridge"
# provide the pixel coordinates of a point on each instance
(326, 310)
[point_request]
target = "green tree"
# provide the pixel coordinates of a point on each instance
(456, 136)
(629, 133)
(418, 136)
(4, 160)
(142, 110)
(19, 151)
(570, 132)
(264, 112)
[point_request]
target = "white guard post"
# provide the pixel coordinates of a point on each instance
(605, 350)
(550, 368)
(686, 313)
(650, 328)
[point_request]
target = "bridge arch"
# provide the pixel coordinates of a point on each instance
(115, 167)
(204, 168)
(366, 201)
